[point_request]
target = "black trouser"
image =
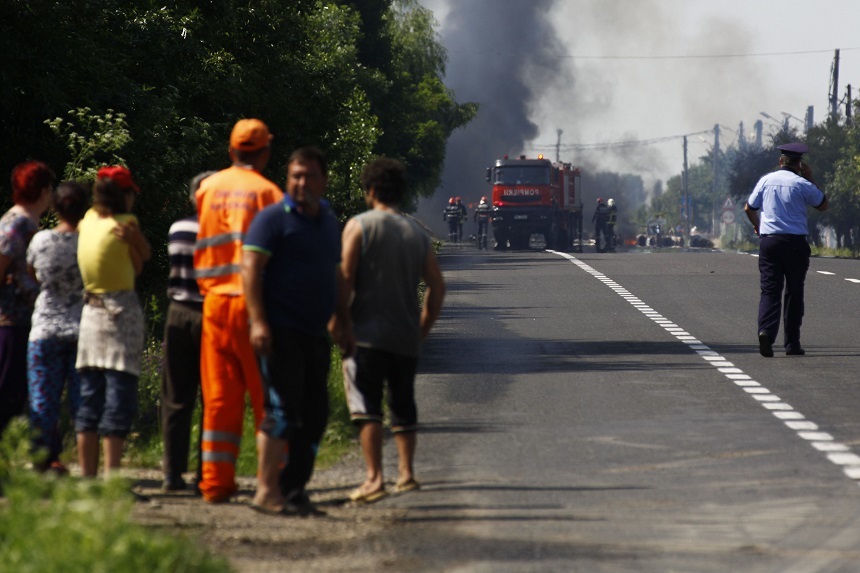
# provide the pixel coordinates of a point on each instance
(482, 233)
(783, 260)
(598, 229)
(295, 398)
(13, 373)
(453, 230)
(180, 385)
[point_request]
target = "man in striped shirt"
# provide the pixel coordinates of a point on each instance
(181, 380)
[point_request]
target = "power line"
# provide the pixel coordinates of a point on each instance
(672, 57)
(629, 143)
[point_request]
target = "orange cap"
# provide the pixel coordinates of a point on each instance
(250, 135)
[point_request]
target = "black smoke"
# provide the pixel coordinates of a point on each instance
(502, 54)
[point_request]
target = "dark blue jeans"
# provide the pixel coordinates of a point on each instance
(108, 402)
(783, 263)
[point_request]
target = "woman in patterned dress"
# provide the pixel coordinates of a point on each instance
(53, 346)
(32, 189)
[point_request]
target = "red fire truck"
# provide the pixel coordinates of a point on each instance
(535, 197)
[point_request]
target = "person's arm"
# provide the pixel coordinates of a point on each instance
(752, 215)
(806, 173)
(434, 294)
(5, 263)
(340, 325)
(253, 263)
(129, 232)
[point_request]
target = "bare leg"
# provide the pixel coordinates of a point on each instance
(405, 455)
(88, 453)
(113, 454)
(371, 445)
(270, 453)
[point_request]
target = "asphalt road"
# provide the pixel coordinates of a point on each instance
(610, 412)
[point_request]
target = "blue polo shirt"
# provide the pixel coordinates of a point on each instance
(300, 278)
(783, 198)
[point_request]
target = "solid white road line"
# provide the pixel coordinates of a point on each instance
(838, 453)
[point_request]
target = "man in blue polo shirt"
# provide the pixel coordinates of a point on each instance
(290, 272)
(783, 197)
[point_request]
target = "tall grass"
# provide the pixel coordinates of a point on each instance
(73, 525)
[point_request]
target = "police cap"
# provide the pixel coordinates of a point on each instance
(793, 150)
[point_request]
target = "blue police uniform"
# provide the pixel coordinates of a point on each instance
(782, 198)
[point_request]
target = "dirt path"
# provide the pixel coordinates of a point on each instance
(258, 543)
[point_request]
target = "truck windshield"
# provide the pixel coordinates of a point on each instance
(516, 175)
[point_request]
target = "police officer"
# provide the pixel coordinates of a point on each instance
(482, 217)
(600, 218)
(782, 198)
(451, 215)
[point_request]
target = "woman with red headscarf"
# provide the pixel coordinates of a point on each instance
(32, 188)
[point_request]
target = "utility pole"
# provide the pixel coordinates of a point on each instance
(848, 106)
(684, 184)
(558, 146)
(742, 139)
(715, 221)
(834, 87)
(810, 119)
(759, 127)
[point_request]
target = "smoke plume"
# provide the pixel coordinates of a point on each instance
(502, 54)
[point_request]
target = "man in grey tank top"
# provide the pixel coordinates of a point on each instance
(379, 325)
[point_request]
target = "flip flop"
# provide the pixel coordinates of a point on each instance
(357, 497)
(409, 485)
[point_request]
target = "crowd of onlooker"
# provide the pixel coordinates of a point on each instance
(261, 284)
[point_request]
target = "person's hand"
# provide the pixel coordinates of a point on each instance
(805, 171)
(261, 337)
(342, 334)
(128, 232)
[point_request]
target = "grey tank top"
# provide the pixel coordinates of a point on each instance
(385, 310)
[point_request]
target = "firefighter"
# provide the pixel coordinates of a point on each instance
(451, 215)
(611, 220)
(600, 219)
(463, 216)
(227, 202)
(482, 217)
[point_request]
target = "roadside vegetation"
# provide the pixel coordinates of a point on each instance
(81, 526)
(157, 88)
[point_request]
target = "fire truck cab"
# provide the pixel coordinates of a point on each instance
(535, 197)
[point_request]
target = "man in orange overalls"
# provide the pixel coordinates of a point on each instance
(227, 202)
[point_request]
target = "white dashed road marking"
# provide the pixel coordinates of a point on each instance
(825, 273)
(836, 452)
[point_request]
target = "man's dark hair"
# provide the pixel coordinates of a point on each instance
(310, 154)
(71, 201)
(250, 157)
(109, 197)
(387, 177)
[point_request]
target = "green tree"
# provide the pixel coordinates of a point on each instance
(843, 190)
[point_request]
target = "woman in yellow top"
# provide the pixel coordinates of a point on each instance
(111, 253)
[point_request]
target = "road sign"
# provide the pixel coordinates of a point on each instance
(728, 217)
(729, 204)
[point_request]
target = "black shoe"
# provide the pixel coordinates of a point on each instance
(795, 351)
(301, 505)
(764, 346)
(174, 484)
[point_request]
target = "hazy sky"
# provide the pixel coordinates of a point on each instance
(619, 70)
